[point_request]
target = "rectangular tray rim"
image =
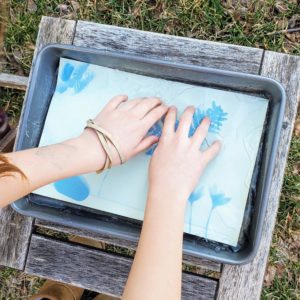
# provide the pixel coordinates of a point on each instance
(271, 162)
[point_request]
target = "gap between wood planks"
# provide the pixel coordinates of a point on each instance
(117, 250)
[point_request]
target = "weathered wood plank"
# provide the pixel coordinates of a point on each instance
(54, 30)
(126, 243)
(15, 230)
(97, 270)
(7, 142)
(172, 48)
(13, 81)
(167, 47)
(245, 282)
(51, 30)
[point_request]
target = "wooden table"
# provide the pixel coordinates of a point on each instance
(25, 243)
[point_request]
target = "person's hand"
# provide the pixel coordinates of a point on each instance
(177, 161)
(128, 122)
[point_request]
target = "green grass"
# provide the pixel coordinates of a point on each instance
(249, 25)
(257, 23)
(11, 101)
(15, 285)
(284, 254)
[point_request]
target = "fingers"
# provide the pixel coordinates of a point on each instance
(169, 123)
(154, 115)
(115, 102)
(145, 144)
(211, 152)
(146, 105)
(131, 104)
(185, 121)
(201, 132)
(140, 106)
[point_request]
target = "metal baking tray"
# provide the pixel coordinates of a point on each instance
(39, 95)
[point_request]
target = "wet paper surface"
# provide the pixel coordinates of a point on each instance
(216, 207)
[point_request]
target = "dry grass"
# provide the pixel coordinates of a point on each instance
(15, 285)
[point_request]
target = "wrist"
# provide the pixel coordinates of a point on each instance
(91, 151)
(164, 207)
(168, 194)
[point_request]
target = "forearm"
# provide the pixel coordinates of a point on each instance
(128, 124)
(48, 164)
(156, 270)
(175, 168)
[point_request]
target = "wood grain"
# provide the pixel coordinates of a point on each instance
(51, 30)
(13, 81)
(126, 243)
(167, 47)
(245, 282)
(7, 142)
(15, 230)
(54, 31)
(97, 270)
(106, 272)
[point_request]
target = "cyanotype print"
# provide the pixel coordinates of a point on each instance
(215, 209)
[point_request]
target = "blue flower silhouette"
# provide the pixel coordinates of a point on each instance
(73, 77)
(196, 195)
(218, 199)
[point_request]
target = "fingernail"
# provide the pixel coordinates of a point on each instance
(207, 119)
(218, 142)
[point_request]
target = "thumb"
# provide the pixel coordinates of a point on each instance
(145, 143)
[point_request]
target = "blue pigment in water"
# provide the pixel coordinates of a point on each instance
(74, 187)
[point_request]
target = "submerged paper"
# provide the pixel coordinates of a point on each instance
(215, 209)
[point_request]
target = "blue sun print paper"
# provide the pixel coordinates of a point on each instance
(215, 208)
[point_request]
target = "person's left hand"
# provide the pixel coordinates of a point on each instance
(128, 121)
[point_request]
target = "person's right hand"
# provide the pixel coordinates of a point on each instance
(177, 161)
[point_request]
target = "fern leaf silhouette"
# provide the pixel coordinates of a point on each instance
(156, 130)
(176, 125)
(197, 119)
(217, 116)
